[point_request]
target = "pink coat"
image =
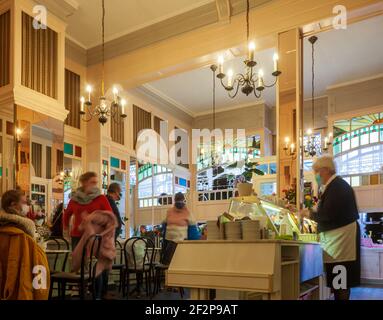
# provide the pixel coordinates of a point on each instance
(103, 223)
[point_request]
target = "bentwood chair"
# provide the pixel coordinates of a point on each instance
(87, 276)
(58, 250)
(119, 265)
(138, 253)
(168, 250)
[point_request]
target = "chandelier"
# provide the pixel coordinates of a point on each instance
(114, 109)
(313, 145)
(250, 81)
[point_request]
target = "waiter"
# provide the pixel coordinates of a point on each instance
(337, 217)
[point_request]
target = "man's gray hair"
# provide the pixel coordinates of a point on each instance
(325, 161)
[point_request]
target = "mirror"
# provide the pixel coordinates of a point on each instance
(40, 160)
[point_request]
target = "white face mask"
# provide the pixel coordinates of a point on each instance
(24, 209)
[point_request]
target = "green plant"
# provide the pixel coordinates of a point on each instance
(250, 168)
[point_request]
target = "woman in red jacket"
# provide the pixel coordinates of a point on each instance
(84, 201)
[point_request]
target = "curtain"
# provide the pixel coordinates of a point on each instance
(39, 58)
(72, 98)
(5, 48)
(141, 120)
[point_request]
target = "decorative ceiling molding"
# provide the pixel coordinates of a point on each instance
(193, 19)
(75, 53)
(61, 8)
(236, 107)
(167, 104)
(164, 97)
(224, 10)
(207, 14)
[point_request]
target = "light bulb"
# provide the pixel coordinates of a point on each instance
(251, 50)
(309, 132)
(115, 91)
(230, 74)
(89, 88)
(276, 58)
(287, 139)
(18, 131)
(123, 104)
(221, 61)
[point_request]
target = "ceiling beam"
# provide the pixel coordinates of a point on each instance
(224, 10)
(61, 8)
(188, 51)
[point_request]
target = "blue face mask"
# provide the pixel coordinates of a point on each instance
(318, 180)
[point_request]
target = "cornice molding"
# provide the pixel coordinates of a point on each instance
(160, 95)
(61, 8)
(166, 106)
(184, 22)
(75, 52)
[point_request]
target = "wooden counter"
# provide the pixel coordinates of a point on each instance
(273, 268)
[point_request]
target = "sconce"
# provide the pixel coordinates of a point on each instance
(290, 148)
(18, 135)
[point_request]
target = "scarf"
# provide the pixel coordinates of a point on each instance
(83, 198)
(14, 218)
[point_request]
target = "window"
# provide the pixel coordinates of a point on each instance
(268, 188)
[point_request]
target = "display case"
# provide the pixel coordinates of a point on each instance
(272, 217)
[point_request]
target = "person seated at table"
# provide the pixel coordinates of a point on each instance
(24, 269)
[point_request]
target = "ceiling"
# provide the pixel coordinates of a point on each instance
(122, 17)
(345, 55)
(341, 56)
(192, 91)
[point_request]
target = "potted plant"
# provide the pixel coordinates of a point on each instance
(243, 181)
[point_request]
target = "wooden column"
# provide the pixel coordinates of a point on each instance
(289, 111)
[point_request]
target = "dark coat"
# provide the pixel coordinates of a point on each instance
(337, 206)
(116, 212)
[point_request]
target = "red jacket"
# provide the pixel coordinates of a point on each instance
(76, 209)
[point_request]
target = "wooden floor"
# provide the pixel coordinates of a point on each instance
(367, 293)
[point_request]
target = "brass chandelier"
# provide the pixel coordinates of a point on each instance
(250, 81)
(114, 109)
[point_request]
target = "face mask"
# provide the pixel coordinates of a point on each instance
(24, 209)
(179, 205)
(318, 180)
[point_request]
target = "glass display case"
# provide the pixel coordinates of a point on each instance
(272, 217)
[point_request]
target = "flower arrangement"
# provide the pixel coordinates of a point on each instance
(290, 195)
(310, 201)
(43, 233)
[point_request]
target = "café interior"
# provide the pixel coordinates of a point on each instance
(84, 83)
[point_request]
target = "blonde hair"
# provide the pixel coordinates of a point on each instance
(325, 161)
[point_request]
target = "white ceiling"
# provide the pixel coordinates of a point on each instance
(122, 17)
(341, 56)
(345, 55)
(193, 90)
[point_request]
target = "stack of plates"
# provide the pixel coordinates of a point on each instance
(233, 231)
(251, 230)
(213, 232)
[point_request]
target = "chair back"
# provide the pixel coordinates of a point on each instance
(57, 261)
(138, 253)
(119, 253)
(168, 250)
(89, 261)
